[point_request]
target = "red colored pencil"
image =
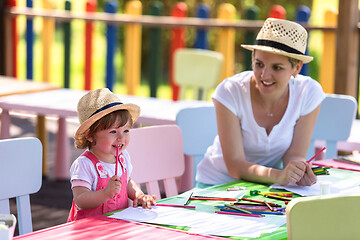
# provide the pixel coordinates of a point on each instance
(308, 161)
(258, 201)
(174, 205)
(117, 159)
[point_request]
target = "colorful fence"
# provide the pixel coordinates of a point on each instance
(226, 27)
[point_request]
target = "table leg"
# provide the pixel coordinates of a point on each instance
(62, 160)
(5, 124)
(42, 135)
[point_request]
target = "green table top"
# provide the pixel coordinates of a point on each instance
(209, 206)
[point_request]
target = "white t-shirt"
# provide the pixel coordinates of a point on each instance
(305, 94)
(83, 169)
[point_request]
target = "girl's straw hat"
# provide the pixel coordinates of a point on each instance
(282, 37)
(96, 104)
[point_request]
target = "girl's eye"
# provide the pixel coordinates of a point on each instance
(112, 131)
(126, 131)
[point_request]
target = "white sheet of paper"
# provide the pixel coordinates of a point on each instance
(203, 222)
(340, 182)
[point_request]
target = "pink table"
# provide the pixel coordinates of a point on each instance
(12, 86)
(102, 227)
(63, 102)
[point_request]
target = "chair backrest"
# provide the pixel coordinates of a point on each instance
(198, 126)
(197, 68)
(157, 154)
(21, 175)
(323, 217)
(334, 123)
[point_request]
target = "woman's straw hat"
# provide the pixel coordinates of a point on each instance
(96, 104)
(282, 37)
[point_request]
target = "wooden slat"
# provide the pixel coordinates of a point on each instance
(347, 45)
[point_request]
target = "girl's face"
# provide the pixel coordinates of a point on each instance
(106, 142)
(272, 72)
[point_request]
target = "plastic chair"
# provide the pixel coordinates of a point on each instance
(157, 155)
(197, 68)
(334, 123)
(323, 217)
(21, 175)
(198, 126)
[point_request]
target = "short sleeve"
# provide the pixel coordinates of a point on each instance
(83, 169)
(314, 95)
(233, 92)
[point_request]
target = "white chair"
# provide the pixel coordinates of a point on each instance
(198, 69)
(157, 155)
(21, 175)
(198, 127)
(323, 217)
(334, 123)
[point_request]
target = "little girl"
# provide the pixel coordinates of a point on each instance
(100, 177)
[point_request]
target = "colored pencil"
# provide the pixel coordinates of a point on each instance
(238, 209)
(239, 214)
(116, 161)
(213, 198)
(258, 201)
(268, 205)
(308, 161)
(173, 205)
(187, 202)
(278, 198)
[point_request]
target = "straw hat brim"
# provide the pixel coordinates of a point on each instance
(303, 58)
(132, 108)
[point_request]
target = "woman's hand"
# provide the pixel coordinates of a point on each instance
(309, 177)
(144, 200)
(113, 187)
(293, 172)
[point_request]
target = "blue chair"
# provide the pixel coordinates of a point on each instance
(334, 123)
(198, 127)
(21, 175)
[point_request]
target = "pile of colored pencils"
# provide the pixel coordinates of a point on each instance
(320, 170)
(251, 209)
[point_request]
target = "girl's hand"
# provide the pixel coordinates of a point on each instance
(309, 177)
(293, 172)
(145, 200)
(113, 187)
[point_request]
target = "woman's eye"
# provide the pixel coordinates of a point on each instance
(259, 64)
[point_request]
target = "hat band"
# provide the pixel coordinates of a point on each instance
(277, 45)
(105, 107)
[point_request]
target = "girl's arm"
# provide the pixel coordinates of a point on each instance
(231, 141)
(85, 198)
(300, 144)
(138, 197)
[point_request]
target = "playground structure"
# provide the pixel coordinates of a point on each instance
(338, 71)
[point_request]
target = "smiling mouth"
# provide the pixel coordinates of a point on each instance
(267, 83)
(118, 146)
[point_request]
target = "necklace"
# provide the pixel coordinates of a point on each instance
(279, 108)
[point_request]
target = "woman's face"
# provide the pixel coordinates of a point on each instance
(272, 72)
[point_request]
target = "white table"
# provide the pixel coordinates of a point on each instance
(63, 103)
